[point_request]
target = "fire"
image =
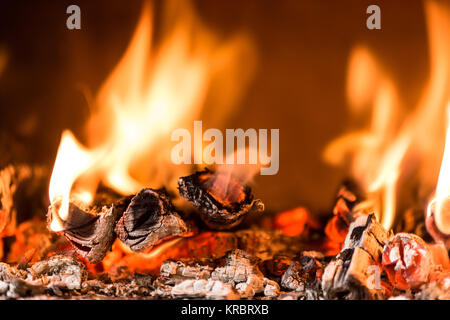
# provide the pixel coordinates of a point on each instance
(382, 152)
(440, 205)
(154, 89)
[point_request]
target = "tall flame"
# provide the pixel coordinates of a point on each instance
(441, 201)
(380, 153)
(151, 92)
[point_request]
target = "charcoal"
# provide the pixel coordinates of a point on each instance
(304, 271)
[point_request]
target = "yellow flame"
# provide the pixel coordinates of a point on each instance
(379, 153)
(151, 92)
(441, 200)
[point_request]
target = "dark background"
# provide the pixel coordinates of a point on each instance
(299, 85)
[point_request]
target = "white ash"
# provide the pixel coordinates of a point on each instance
(177, 271)
(208, 289)
(62, 271)
(271, 288)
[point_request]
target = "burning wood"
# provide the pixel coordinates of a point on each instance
(150, 219)
(347, 275)
(223, 201)
(90, 230)
(140, 222)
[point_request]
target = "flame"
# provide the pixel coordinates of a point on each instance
(381, 152)
(441, 201)
(153, 90)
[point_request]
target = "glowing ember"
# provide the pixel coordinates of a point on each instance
(407, 261)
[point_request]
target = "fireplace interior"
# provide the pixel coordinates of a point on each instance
(93, 205)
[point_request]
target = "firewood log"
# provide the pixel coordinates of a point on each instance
(348, 275)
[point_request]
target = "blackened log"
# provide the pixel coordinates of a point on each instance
(223, 201)
(149, 220)
(348, 275)
(91, 230)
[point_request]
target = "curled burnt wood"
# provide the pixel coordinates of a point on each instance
(150, 219)
(223, 201)
(91, 230)
(349, 275)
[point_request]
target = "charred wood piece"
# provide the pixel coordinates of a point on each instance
(149, 220)
(91, 230)
(223, 201)
(304, 271)
(348, 275)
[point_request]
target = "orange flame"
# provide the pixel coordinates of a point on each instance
(441, 201)
(379, 154)
(151, 92)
